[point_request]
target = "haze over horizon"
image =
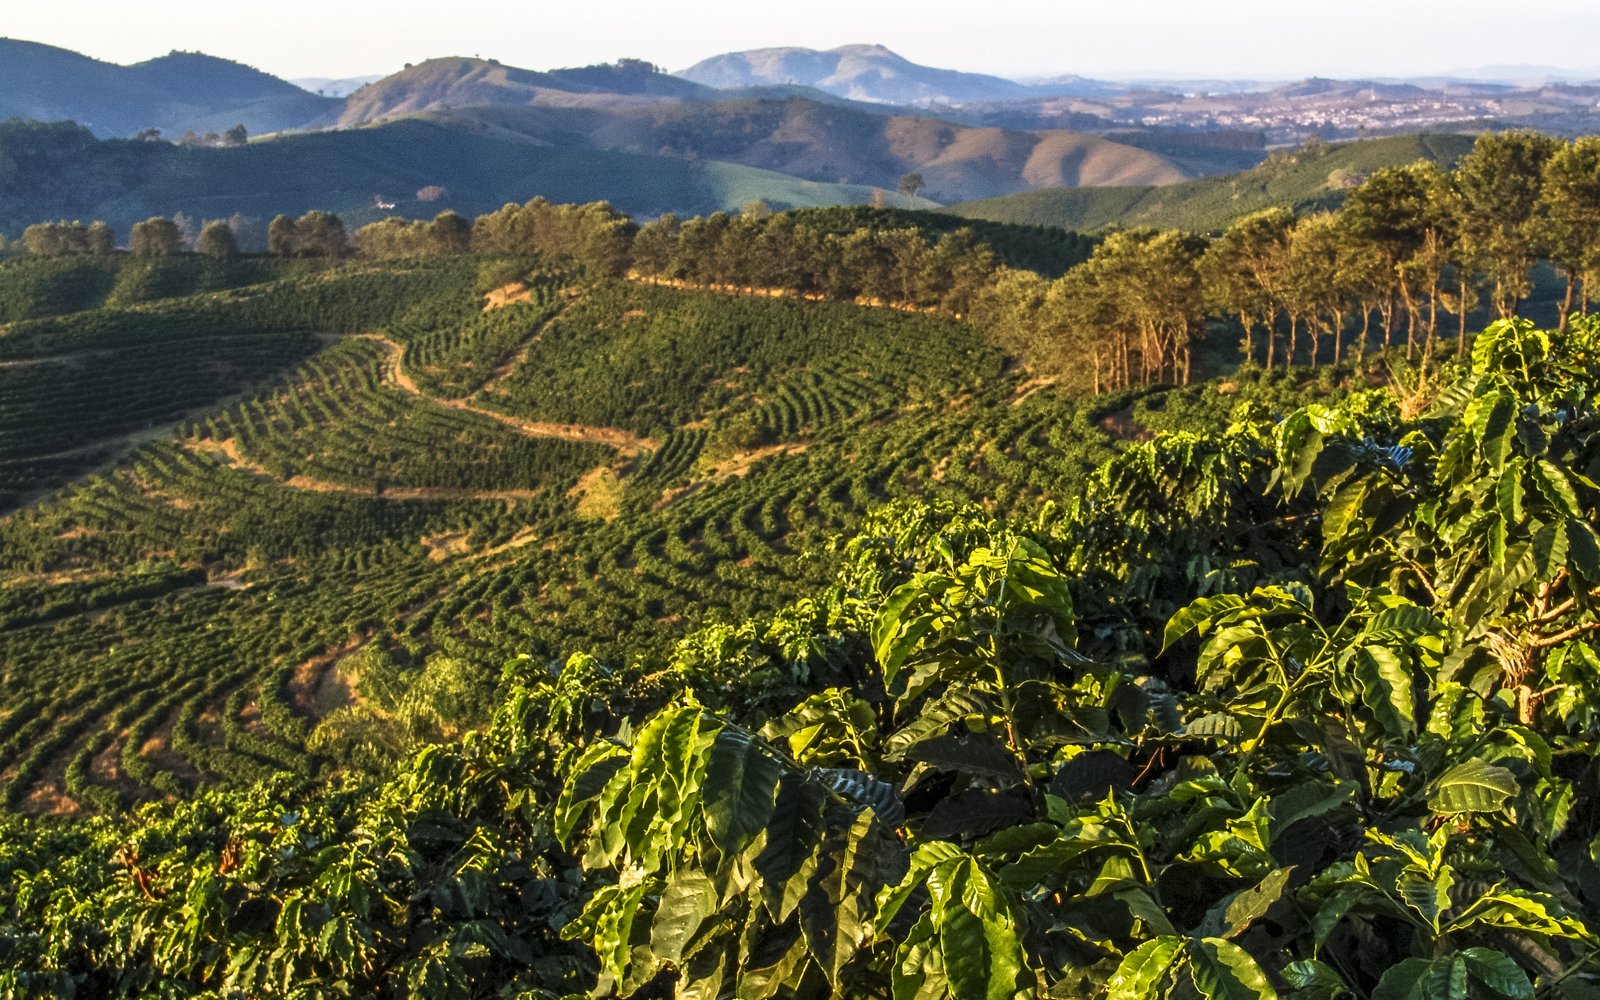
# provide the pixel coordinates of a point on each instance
(1140, 39)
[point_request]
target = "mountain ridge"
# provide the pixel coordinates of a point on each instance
(176, 92)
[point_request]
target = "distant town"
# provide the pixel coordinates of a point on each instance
(1333, 109)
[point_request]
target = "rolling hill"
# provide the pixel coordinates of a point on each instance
(1305, 179)
(837, 144)
(466, 83)
(859, 72)
(175, 93)
(627, 132)
(684, 157)
(61, 171)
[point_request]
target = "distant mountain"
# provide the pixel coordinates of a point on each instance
(329, 86)
(1525, 73)
(837, 144)
(1324, 89)
(859, 72)
(1305, 179)
(1071, 85)
(467, 83)
(174, 93)
(195, 76)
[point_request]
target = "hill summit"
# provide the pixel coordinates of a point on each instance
(859, 72)
(176, 92)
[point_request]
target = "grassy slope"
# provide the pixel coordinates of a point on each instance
(123, 182)
(835, 144)
(1299, 179)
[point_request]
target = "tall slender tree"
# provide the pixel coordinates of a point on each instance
(1389, 211)
(1500, 182)
(1242, 274)
(1565, 224)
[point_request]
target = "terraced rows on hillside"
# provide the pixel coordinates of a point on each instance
(275, 583)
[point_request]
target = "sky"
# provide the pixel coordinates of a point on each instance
(1115, 39)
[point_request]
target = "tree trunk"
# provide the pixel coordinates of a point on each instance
(1411, 320)
(1433, 311)
(1506, 303)
(1461, 333)
(1433, 324)
(1566, 303)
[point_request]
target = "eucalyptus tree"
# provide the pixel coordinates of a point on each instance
(1500, 182)
(957, 271)
(1430, 267)
(1448, 256)
(1565, 225)
(1389, 211)
(217, 241)
(320, 234)
(155, 237)
(1363, 275)
(1315, 291)
(101, 240)
(281, 236)
(1242, 274)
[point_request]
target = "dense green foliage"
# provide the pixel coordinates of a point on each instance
(1047, 250)
(192, 610)
(38, 286)
(1301, 706)
(652, 359)
(629, 611)
(123, 351)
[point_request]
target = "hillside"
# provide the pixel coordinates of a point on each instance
(838, 144)
(467, 83)
(1304, 179)
(592, 429)
(686, 158)
(175, 93)
(589, 634)
(489, 133)
(49, 172)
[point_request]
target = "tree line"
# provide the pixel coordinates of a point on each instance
(1409, 257)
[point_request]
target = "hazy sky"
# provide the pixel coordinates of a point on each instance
(1170, 38)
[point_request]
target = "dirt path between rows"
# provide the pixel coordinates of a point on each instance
(626, 443)
(227, 451)
(51, 359)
